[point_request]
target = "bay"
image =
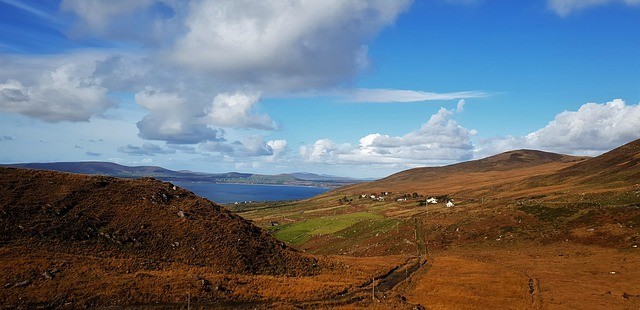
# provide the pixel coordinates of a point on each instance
(230, 193)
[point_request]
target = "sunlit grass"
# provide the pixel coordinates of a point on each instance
(298, 233)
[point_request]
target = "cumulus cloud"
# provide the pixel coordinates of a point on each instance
(283, 44)
(171, 119)
(147, 149)
(325, 151)
(592, 129)
(278, 147)
(186, 120)
(254, 146)
(377, 95)
(129, 73)
(234, 110)
(566, 7)
(274, 45)
(439, 141)
(92, 154)
(54, 91)
(202, 65)
(141, 21)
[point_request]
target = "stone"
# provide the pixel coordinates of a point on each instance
(47, 275)
(23, 283)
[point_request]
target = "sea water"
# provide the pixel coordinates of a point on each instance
(231, 193)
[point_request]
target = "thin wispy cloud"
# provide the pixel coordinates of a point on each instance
(566, 7)
(147, 149)
(32, 10)
(384, 95)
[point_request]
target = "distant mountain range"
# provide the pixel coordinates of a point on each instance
(116, 170)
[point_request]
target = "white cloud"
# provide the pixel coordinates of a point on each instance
(184, 120)
(253, 146)
(97, 14)
(439, 141)
(54, 91)
(151, 22)
(283, 44)
(278, 147)
(274, 45)
(325, 151)
(592, 129)
(566, 7)
(378, 95)
(234, 110)
(172, 119)
(460, 106)
(201, 65)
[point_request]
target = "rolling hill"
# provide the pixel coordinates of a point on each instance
(145, 219)
(621, 165)
(104, 168)
(529, 230)
(78, 241)
(471, 176)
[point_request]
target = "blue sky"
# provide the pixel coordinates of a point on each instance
(352, 88)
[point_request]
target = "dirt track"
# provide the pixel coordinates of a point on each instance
(360, 294)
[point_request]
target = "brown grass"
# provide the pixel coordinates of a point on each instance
(565, 276)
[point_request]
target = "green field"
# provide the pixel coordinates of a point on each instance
(298, 233)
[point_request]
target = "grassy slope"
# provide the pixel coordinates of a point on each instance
(300, 232)
(512, 226)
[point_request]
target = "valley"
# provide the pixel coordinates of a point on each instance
(528, 230)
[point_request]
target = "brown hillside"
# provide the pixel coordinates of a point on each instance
(512, 160)
(503, 168)
(619, 165)
(143, 219)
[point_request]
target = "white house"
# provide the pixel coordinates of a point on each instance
(450, 204)
(432, 200)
